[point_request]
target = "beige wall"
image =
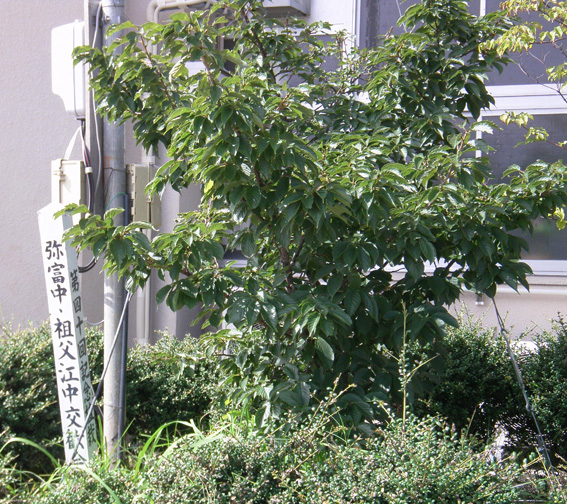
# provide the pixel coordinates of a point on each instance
(525, 314)
(34, 129)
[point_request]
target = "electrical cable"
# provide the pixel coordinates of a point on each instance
(399, 7)
(124, 355)
(542, 447)
(90, 190)
(88, 170)
(105, 369)
(116, 196)
(400, 13)
(94, 324)
(97, 132)
(92, 186)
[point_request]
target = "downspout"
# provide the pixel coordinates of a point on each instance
(156, 6)
(114, 296)
(356, 22)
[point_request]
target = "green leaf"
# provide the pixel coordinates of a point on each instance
(334, 284)
(233, 58)
(313, 322)
(282, 188)
(371, 305)
(414, 268)
(142, 240)
(290, 397)
(352, 301)
(162, 293)
(484, 127)
(427, 249)
(448, 319)
(217, 250)
(485, 246)
(118, 249)
(341, 317)
(237, 311)
(291, 211)
(270, 315)
(325, 351)
(113, 212)
(119, 27)
(247, 244)
(350, 255)
(215, 94)
(364, 259)
(254, 196)
(226, 113)
(241, 358)
(99, 246)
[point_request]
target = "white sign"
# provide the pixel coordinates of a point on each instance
(68, 332)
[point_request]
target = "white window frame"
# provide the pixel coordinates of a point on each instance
(534, 99)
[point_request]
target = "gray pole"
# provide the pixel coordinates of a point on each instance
(115, 187)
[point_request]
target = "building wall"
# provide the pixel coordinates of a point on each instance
(35, 129)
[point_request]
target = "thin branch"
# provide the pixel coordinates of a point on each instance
(160, 75)
(298, 251)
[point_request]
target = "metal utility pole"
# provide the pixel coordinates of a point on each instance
(114, 294)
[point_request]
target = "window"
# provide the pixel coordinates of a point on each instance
(520, 88)
(548, 245)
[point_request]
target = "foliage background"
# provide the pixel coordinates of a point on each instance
(339, 187)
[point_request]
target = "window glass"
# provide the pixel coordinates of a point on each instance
(547, 242)
(530, 67)
(378, 17)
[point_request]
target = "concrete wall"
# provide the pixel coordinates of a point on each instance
(35, 129)
(525, 314)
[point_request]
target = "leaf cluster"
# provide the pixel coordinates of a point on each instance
(353, 192)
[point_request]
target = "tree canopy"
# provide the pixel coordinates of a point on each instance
(350, 179)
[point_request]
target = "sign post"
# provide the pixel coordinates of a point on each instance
(74, 387)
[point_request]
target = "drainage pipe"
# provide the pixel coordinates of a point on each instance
(114, 298)
(143, 299)
(156, 6)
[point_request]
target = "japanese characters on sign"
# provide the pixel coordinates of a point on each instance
(68, 332)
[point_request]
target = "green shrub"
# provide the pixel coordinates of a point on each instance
(171, 380)
(10, 481)
(97, 483)
(168, 381)
(422, 463)
(28, 394)
(475, 387)
(545, 374)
